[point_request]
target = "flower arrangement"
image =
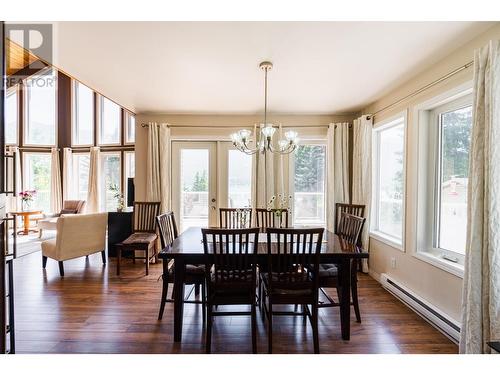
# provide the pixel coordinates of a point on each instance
(27, 197)
(279, 204)
(117, 194)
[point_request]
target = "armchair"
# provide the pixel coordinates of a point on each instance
(49, 222)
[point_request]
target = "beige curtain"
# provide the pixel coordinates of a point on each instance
(92, 205)
(362, 172)
(337, 169)
(55, 181)
(13, 202)
(68, 191)
(158, 165)
(481, 291)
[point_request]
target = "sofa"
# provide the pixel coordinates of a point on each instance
(49, 222)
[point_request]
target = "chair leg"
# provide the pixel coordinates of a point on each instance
(314, 323)
(254, 328)
(208, 343)
(44, 261)
(103, 256)
(61, 268)
(270, 328)
(354, 293)
(40, 233)
(118, 259)
(164, 294)
(204, 301)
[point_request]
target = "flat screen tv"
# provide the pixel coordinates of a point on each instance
(130, 191)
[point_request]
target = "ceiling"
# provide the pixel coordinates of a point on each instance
(212, 67)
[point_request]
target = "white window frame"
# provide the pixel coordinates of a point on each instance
(393, 121)
(100, 109)
(75, 108)
(10, 92)
(26, 90)
(428, 130)
(291, 179)
(127, 120)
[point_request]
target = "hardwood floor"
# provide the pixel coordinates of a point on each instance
(91, 310)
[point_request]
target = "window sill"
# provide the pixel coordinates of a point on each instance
(387, 240)
(435, 260)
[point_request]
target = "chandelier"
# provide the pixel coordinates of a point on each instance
(241, 139)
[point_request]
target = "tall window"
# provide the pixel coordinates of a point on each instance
(110, 180)
(239, 179)
(309, 184)
(129, 170)
(388, 180)
(83, 115)
(110, 124)
(11, 117)
(40, 124)
(81, 164)
(130, 128)
(37, 177)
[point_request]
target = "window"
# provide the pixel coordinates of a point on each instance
(40, 128)
(129, 169)
(308, 168)
(239, 179)
(130, 129)
(110, 180)
(83, 115)
(110, 124)
(81, 164)
(11, 117)
(37, 177)
(388, 181)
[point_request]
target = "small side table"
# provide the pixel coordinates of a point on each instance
(26, 220)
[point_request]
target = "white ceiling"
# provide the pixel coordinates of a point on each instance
(212, 67)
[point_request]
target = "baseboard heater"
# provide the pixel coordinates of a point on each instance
(447, 325)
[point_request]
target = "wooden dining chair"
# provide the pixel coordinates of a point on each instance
(144, 235)
(231, 276)
(267, 219)
(194, 275)
(353, 209)
(292, 276)
(349, 231)
(235, 218)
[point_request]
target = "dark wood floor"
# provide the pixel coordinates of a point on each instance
(91, 310)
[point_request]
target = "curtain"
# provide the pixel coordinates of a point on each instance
(94, 179)
(13, 202)
(337, 169)
(68, 192)
(55, 181)
(158, 165)
(362, 172)
(481, 292)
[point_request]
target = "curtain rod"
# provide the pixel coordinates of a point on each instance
(145, 125)
(422, 89)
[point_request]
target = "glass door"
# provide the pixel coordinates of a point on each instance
(194, 187)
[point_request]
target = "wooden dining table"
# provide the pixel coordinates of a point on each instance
(188, 249)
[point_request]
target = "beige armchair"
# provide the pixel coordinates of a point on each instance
(49, 222)
(77, 236)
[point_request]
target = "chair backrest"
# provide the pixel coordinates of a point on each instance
(235, 218)
(350, 228)
(353, 209)
(144, 216)
(292, 253)
(268, 219)
(79, 235)
(167, 228)
(72, 207)
(233, 254)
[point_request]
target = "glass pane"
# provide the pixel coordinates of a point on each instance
(194, 188)
(83, 126)
(41, 109)
(110, 122)
(455, 143)
(129, 164)
(390, 205)
(11, 115)
(81, 163)
(37, 177)
(309, 185)
(130, 128)
(111, 182)
(239, 179)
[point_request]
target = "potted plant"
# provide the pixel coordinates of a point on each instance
(117, 194)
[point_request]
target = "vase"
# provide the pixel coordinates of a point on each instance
(26, 205)
(277, 218)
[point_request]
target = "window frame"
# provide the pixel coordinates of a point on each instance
(102, 154)
(389, 123)
(100, 109)
(24, 170)
(25, 125)
(74, 115)
(291, 181)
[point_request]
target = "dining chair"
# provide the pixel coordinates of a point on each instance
(349, 231)
(194, 275)
(353, 209)
(144, 235)
(235, 218)
(292, 277)
(268, 219)
(231, 275)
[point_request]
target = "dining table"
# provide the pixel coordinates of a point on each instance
(187, 248)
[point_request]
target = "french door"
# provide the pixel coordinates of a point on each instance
(206, 176)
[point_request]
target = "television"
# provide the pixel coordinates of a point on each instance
(130, 191)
